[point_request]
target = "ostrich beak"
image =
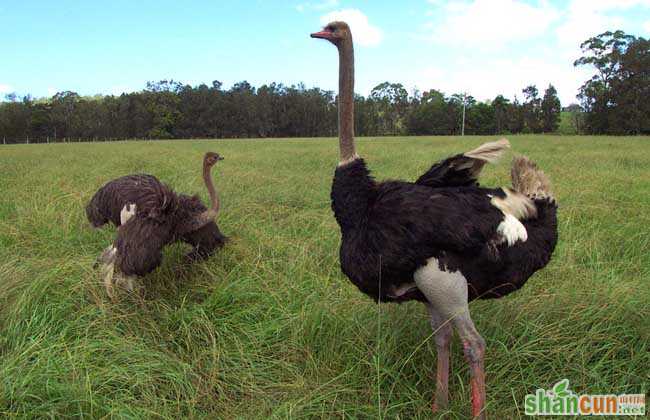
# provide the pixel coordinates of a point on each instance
(322, 35)
(220, 158)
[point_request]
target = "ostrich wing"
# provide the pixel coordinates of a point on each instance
(139, 245)
(411, 219)
(153, 199)
(462, 170)
(456, 171)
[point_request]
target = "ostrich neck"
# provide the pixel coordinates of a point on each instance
(346, 102)
(352, 187)
(207, 216)
(214, 198)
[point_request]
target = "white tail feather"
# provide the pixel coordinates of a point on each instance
(489, 152)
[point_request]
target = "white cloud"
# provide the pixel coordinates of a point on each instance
(493, 24)
(506, 76)
(489, 24)
(578, 27)
(363, 32)
(470, 30)
(323, 5)
(599, 6)
(5, 89)
(584, 19)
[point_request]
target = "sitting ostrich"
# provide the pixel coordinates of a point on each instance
(149, 215)
(442, 240)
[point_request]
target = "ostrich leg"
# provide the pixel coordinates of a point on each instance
(474, 349)
(108, 269)
(442, 331)
(109, 256)
(447, 294)
(128, 211)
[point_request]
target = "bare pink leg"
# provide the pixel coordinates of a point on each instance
(441, 401)
(443, 332)
(474, 349)
(447, 294)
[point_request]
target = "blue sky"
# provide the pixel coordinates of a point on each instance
(484, 47)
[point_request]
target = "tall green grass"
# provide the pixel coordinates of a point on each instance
(269, 327)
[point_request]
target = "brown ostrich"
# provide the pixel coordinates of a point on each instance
(149, 215)
(439, 242)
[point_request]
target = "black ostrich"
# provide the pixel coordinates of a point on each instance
(442, 240)
(149, 215)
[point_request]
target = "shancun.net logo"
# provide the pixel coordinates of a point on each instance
(563, 402)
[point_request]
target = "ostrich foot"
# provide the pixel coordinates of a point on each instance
(126, 282)
(437, 407)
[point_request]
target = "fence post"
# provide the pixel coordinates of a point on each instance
(27, 139)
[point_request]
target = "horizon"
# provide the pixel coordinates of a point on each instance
(481, 47)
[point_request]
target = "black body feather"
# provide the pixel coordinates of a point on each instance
(390, 229)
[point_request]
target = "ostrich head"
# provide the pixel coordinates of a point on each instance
(211, 158)
(334, 32)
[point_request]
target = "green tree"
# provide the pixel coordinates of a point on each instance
(550, 110)
(631, 89)
(432, 114)
(615, 97)
(502, 108)
(392, 106)
(64, 105)
(532, 110)
(480, 119)
(15, 119)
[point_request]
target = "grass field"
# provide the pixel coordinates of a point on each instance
(269, 327)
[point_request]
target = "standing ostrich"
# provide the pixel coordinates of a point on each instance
(442, 243)
(158, 217)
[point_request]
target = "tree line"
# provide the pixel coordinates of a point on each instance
(613, 101)
(168, 110)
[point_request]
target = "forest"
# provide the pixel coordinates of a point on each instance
(613, 101)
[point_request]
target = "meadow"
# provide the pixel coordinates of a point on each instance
(269, 327)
